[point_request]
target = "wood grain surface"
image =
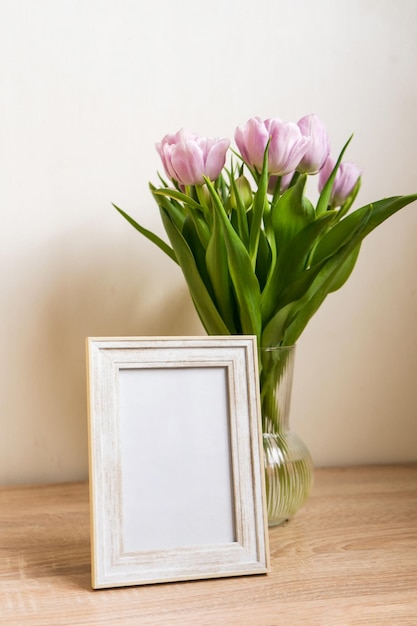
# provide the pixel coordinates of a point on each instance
(349, 557)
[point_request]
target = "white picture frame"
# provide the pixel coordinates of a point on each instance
(175, 459)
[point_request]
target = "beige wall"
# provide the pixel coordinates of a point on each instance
(86, 88)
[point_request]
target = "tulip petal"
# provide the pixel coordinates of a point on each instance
(318, 151)
(215, 158)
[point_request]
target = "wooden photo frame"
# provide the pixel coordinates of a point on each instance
(175, 459)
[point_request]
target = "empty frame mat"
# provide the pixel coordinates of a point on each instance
(176, 478)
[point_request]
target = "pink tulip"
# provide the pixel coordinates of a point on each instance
(186, 157)
(319, 148)
(286, 149)
(347, 176)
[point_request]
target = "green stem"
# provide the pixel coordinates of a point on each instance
(275, 366)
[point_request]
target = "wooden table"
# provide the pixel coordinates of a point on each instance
(349, 557)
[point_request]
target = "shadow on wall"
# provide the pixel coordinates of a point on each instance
(68, 291)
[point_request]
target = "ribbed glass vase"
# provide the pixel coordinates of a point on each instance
(288, 464)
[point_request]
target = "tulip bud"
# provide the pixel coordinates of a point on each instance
(319, 148)
(346, 179)
(244, 191)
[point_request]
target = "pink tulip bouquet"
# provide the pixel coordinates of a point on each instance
(258, 257)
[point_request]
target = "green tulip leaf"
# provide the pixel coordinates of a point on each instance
(206, 309)
(242, 221)
(291, 263)
(264, 260)
(174, 208)
(274, 331)
(245, 283)
(191, 237)
(177, 195)
(332, 272)
(383, 209)
(192, 208)
(149, 235)
(260, 205)
(342, 232)
(291, 213)
(320, 280)
(345, 270)
(218, 271)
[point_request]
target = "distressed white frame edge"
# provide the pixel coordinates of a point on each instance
(206, 561)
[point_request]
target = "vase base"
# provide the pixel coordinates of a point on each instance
(278, 522)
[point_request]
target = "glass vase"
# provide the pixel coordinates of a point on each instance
(288, 464)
